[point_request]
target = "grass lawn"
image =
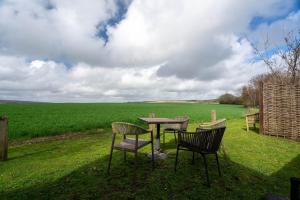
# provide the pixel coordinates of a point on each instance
(76, 169)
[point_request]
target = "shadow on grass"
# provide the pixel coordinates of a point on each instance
(92, 182)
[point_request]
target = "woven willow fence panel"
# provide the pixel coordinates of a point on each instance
(281, 110)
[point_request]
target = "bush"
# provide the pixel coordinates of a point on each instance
(229, 99)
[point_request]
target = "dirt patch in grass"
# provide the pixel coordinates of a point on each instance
(65, 136)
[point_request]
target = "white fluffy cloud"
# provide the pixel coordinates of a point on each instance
(50, 81)
(65, 31)
(160, 50)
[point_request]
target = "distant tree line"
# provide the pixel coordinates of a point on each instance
(248, 95)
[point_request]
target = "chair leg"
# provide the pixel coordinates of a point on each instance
(175, 137)
(217, 159)
(164, 137)
(135, 159)
(111, 152)
(152, 151)
(124, 152)
(206, 170)
(176, 159)
(247, 125)
(193, 160)
(109, 161)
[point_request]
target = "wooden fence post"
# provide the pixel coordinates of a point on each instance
(3, 138)
(152, 126)
(213, 115)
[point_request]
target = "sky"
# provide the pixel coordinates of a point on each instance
(135, 50)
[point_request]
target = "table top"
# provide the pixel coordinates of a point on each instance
(161, 120)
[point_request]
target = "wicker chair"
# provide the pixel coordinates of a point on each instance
(175, 128)
(212, 125)
(129, 144)
(203, 142)
(252, 119)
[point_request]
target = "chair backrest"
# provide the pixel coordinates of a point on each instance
(210, 125)
(252, 118)
(127, 128)
(184, 125)
(209, 140)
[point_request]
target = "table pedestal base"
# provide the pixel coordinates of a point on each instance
(158, 155)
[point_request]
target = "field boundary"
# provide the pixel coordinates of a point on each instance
(65, 136)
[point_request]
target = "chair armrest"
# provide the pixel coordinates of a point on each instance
(251, 114)
(212, 125)
(220, 122)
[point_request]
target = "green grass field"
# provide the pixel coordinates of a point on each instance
(76, 169)
(32, 120)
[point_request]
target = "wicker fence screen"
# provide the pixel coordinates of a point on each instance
(281, 110)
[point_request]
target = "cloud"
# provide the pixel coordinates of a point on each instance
(51, 81)
(52, 51)
(64, 32)
(192, 37)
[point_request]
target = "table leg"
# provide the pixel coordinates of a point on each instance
(157, 144)
(157, 153)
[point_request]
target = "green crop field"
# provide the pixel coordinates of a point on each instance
(32, 120)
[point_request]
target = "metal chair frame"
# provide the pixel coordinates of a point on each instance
(175, 128)
(203, 142)
(129, 144)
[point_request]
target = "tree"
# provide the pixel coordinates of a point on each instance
(250, 92)
(284, 64)
(229, 99)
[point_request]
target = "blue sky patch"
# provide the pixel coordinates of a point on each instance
(270, 52)
(49, 5)
(258, 20)
(122, 7)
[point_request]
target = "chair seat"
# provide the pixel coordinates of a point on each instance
(129, 144)
(187, 144)
(172, 127)
(192, 147)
